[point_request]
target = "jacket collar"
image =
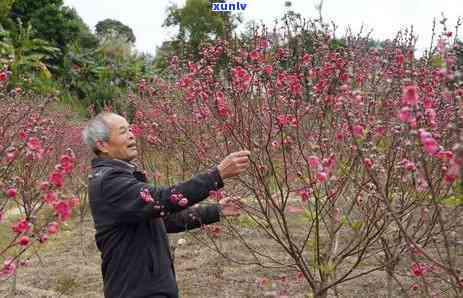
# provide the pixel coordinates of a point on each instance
(113, 163)
(116, 163)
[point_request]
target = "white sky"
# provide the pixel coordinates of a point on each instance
(385, 17)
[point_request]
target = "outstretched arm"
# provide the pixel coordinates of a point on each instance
(192, 218)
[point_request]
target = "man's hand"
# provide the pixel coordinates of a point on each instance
(234, 164)
(230, 207)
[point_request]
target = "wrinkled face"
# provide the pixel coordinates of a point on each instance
(121, 144)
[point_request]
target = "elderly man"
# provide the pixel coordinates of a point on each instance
(132, 217)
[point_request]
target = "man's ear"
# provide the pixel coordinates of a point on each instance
(101, 146)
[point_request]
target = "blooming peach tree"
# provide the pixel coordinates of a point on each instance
(355, 151)
(35, 170)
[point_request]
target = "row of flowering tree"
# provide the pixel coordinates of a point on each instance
(355, 151)
(38, 182)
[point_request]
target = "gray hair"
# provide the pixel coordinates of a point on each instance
(96, 129)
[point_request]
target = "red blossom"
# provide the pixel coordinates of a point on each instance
(56, 179)
(67, 162)
(304, 194)
(410, 95)
(268, 69)
(368, 163)
(358, 131)
(322, 176)
(11, 192)
(8, 269)
(50, 197)
(63, 210)
(146, 196)
(21, 226)
(24, 241)
(52, 228)
(34, 144)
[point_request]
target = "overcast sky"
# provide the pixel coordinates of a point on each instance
(385, 17)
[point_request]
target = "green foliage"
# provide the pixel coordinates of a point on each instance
(196, 24)
(103, 76)
(114, 28)
(28, 56)
(52, 22)
(5, 8)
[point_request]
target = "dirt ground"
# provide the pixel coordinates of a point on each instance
(70, 267)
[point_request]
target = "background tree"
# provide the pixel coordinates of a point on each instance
(114, 27)
(50, 19)
(29, 56)
(196, 24)
(5, 7)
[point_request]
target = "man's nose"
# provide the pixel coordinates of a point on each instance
(131, 135)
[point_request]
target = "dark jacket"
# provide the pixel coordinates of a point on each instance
(131, 220)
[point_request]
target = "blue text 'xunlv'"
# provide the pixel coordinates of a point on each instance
(228, 6)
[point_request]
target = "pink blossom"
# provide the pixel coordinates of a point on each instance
(445, 155)
(314, 161)
(254, 55)
(11, 192)
(359, 131)
(21, 226)
(146, 196)
(74, 201)
(424, 135)
(213, 230)
(329, 163)
(56, 179)
(268, 69)
(34, 144)
(399, 57)
(368, 163)
(23, 135)
(410, 166)
(175, 197)
(418, 269)
(24, 241)
(410, 95)
(405, 114)
(223, 110)
(306, 58)
(304, 194)
(217, 195)
(282, 120)
(10, 155)
(449, 179)
(52, 228)
(9, 268)
(322, 176)
(67, 162)
(50, 197)
(63, 210)
(431, 114)
(263, 43)
(430, 145)
(414, 287)
(43, 238)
